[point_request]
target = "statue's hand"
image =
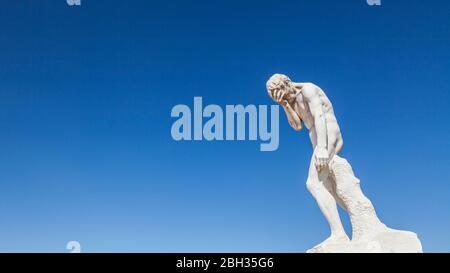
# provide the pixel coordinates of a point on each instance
(321, 157)
(278, 96)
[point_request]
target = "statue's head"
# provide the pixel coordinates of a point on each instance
(281, 82)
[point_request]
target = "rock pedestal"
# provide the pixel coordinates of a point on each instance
(369, 234)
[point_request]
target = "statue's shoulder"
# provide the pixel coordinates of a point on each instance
(309, 90)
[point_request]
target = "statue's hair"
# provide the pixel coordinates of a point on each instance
(278, 81)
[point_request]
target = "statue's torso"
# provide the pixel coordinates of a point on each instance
(302, 108)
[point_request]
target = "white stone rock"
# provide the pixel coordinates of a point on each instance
(369, 233)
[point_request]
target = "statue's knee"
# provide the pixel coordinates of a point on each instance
(312, 185)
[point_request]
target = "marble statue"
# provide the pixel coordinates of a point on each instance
(331, 180)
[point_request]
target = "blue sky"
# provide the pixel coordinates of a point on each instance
(85, 100)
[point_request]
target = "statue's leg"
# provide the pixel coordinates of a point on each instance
(326, 202)
(330, 185)
(334, 147)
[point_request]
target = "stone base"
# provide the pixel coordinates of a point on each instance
(387, 241)
(369, 234)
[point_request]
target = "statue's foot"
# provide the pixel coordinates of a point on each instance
(332, 240)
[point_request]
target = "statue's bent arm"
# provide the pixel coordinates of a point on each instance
(293, 118)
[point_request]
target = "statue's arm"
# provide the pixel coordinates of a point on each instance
(315, 105)
(320, 125)
(293, 118)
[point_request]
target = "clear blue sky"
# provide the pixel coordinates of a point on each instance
(85, 100)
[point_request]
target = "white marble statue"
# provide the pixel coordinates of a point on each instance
(330, 177)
